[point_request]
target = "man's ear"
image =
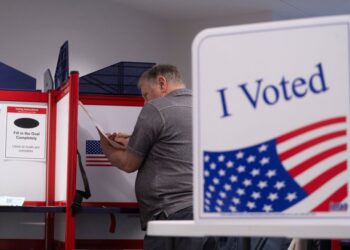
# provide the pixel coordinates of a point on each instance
(163, 84)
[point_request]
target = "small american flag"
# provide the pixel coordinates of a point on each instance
(94, 155)
(302, 171)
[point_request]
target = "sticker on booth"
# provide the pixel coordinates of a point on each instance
(271, 120)
(25, 133)
(94, 157)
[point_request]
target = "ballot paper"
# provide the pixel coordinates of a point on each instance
(103, 135)
(11, 201)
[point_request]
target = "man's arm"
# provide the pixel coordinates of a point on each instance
(145, 134)
(121, 158)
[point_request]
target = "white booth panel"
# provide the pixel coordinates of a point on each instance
(62, 125)
(107, 183)
(22, 175)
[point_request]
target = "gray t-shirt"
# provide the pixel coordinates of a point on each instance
(163, 136)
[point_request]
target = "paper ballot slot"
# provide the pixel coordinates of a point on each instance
(270, 132)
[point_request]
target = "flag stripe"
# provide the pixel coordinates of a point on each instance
(315, 159)
(320, 195)
(321, 167)
(310, 127)
(98, 160)
(99, 165)
(325, 177)
(301, 147)
(95, 156)
(336, 197)
(286, 145)
(308, 153)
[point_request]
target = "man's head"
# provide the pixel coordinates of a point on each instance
(159, 81)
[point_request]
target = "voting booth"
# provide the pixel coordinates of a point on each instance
(43, 137)
(271, 118)
(109, 185)
(42, 133)
(38, 161)
(110, 217)
(23, 151)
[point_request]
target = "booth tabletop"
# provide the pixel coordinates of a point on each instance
(109, 210)
(62, 209)
(32, 209)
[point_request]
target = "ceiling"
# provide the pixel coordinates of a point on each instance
(177, 10)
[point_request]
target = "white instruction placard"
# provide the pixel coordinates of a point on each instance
(25, 132)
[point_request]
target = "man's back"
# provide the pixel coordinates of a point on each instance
(164, 137)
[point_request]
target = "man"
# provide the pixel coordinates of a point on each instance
(160, 148)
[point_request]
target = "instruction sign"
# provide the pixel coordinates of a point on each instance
(271, 120)
(25, 132)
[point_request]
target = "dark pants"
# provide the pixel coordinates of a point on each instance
(178, 243)
(254, 243)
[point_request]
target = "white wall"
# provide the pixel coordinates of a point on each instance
(100, 33)
(183, 34)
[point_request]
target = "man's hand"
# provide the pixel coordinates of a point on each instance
(106, 147)
(120, 156)
(120, 138)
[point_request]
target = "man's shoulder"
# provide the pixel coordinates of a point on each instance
(159, 103)
(170, 100)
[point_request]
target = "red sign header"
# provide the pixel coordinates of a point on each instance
(26, 110)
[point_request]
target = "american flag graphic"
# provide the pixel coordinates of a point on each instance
(302, 171)
(95, 156)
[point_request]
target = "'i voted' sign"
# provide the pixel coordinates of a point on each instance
(271, 119)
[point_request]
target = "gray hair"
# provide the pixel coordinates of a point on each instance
(169, 72)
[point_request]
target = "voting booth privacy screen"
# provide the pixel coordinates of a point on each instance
(109, 185)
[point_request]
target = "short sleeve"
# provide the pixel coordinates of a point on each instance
(147, 130)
